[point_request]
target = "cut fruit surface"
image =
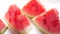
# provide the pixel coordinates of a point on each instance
(33, 8)
(3, 27)
(13, 11)
(20, 23)
(48, 22)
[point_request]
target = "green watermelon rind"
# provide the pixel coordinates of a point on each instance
(40, 28)
(22, 31)
(3, 31)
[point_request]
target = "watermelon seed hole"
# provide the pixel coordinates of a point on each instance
(44, 20)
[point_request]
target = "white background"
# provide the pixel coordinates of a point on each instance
(4, 5)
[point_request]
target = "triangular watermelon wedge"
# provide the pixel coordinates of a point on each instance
(48, 22)
(33, 8)
(18, 22)
(3, 27)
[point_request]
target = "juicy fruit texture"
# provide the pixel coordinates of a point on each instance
(13, 11)
(33, 8)
(16, 20)
(48, 22)
(2, 27)
(20, 22)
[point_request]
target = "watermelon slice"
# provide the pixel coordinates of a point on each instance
(20, 23)
(3, 27)
(48, 22)
(33, 8)
(13, 11)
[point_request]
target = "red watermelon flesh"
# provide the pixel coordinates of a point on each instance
(3, 27)
(16, 20)
(13, 11)
(20, 22)
(48, 21)
(33, 8)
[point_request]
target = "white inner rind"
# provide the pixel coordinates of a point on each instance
(24, 12)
